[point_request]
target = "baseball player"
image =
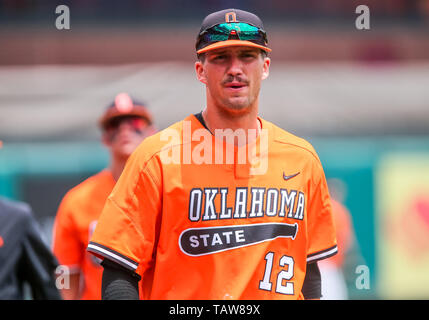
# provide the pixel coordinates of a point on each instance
(191, 224)
(124, 124)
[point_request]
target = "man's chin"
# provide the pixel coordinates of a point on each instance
(238, 105)
(126, 151)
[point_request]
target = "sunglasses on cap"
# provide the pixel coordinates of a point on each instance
(236, 30)
(136, 123)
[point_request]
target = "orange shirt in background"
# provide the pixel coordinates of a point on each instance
(74, 224)
(343, 226)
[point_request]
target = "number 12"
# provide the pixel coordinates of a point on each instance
(287, 274)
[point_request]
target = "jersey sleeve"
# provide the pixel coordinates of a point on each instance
(65, 239)
(321, 233)
(126, 230)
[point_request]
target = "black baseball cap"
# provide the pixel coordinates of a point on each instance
(231, 27)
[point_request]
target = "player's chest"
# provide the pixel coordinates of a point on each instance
(87, 218)
(231, 192)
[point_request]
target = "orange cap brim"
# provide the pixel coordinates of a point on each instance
(229, 43)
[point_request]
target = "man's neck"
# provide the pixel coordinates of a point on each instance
(116, 167)
(248, 122)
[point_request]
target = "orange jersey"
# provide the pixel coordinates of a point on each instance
(209, 230)
(75, 221)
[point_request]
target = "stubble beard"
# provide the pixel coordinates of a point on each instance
(238, 105)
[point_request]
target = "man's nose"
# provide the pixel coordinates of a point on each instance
(235, 66)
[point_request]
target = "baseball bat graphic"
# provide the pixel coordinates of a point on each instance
(203, 241)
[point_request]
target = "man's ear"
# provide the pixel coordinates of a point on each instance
(266, 68)
(199, 70)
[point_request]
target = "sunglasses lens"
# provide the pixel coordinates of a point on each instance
(223, 31)
(136, 123)
(113, 124)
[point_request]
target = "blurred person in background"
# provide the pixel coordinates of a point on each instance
(338, 272)
(124, 124)
(25, 259)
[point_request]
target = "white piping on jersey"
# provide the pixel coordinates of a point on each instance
(111, 254)
(323, 254)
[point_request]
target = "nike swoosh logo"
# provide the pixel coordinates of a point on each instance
(291, 176)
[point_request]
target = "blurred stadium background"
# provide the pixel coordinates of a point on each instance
(361, 97)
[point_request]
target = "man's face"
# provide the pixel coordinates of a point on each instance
(233, 76)
(124, 134)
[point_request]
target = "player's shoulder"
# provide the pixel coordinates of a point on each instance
(89, 185)
(286, 140)
(168, 138)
